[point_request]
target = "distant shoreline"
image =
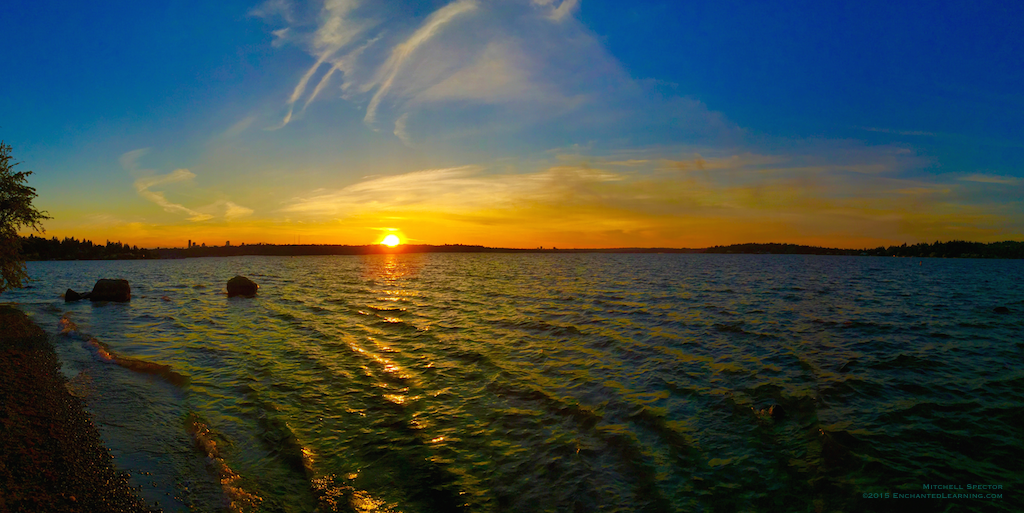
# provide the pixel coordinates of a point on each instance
(36, 248)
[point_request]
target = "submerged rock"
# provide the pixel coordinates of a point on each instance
(111, 290)
(776, 412)
(770, 414)
(242, 286)
(71, 295)
(1001, 309)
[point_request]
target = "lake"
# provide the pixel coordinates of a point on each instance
(551, 382)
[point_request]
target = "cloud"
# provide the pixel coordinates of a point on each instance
(272, 8)
(468, 67)
(559, 12)
(130, 160)
(239, 127)
(142, 186)
(234, 211)
(224, 208)
(400, 131)
(690, 202)
(457, 189)
(898, 132)
(998, 179)
(401, 52)
(335, 30)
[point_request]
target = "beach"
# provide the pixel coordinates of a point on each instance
(51, 456)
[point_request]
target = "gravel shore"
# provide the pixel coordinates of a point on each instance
(51, 456)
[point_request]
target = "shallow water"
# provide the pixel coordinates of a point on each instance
(491, 382)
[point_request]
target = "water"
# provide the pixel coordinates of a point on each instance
(491, 382)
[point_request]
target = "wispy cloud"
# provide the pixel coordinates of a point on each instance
(559, 9)
(233, 210)
(401, 53)
(143, 185)
(997, 179)
(897, 132)
(464, 67)
(130, 160)
(240, 126)
(688, 202)
(335, 31)
(458, 189)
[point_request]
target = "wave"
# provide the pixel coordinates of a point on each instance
(239, 499)
(137, 365)
(67, 326)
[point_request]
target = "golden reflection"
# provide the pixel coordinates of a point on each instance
(391, 267)
(363, 501)
(308, 459)
(395, 398)
(387, 365)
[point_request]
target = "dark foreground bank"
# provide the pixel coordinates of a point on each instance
(51, 456)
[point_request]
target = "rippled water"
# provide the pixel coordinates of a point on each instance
(440, 382)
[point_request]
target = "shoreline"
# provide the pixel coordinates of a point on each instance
(51, 455)
(35, 248)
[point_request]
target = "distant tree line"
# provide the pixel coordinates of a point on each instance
(781, 249)
(70, 248)
(38, 248)
(951, 249)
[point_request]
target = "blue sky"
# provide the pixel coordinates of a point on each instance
(520, 122)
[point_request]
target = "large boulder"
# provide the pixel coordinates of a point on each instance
(111, 290)
(242, 286)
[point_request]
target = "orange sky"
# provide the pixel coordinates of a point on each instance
(581, 202)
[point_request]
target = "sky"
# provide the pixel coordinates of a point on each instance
(519, 123)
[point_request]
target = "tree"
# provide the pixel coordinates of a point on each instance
(16, 210)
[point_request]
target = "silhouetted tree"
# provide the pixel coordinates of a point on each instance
(16, 210)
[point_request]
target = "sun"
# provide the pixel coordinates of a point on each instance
(391, 241)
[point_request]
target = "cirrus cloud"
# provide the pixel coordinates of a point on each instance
(466, 67)
(145, 184)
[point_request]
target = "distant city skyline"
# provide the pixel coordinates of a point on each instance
(520, 124)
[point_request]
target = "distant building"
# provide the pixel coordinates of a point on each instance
(227, 244)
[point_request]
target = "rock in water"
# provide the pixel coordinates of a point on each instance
(242, 286)
(71, 295)
(1001, 309)
(111, 290)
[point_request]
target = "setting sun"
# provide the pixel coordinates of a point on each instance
(391, 241)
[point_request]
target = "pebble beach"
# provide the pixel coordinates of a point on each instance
(51, 456)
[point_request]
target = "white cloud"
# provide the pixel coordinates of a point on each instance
(998, 179)
(400, 131)
(467, 66)
(404, 50)
(130, 160)
(559, 12)
(458, 189)
(239, 127)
